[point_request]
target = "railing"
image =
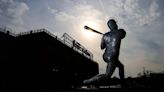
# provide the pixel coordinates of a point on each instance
(66, 39)
(7, 31)
(69, 41)
(36, 31)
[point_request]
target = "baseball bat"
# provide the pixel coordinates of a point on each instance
(93, 30)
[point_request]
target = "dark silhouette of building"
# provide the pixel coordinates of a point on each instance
(38, 59)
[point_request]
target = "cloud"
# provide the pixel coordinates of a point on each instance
(78, 12)
(64, 16)
(11, 13)
(152, 15)
(51, 10)
(132, 11)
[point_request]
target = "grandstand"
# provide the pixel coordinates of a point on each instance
(39, 59)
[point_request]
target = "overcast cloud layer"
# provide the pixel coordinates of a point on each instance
(142, 19)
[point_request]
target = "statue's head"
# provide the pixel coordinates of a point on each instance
(112, 24)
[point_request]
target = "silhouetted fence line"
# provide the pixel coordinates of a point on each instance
(36, 31)
(7, 31)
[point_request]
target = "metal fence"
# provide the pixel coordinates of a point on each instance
(69, 41)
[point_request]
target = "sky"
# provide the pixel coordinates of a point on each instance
(142, 20)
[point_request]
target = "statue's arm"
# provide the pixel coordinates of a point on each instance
(102, 43)
(123, 33)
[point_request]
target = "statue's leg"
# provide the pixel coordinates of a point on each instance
(121, 73)
(94, 79)
(121, 69)
(111, 66)
(102, 77)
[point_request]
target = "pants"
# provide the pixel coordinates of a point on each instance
(111, 66)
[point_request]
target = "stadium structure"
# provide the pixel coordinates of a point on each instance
(39, 59)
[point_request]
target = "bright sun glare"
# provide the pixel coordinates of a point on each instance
(87, 33)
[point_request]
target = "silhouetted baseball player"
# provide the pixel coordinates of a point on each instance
(111, 42)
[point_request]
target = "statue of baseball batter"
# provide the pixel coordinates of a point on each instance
(111, 42)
